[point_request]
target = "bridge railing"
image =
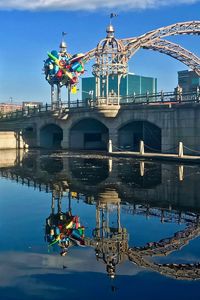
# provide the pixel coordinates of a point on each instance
(26, 112)
(161, 97)
(135, 99)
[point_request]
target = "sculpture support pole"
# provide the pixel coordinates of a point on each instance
(69, 97)
(58, 95)
(52, 96)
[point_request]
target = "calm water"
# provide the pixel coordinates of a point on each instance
(124, 227)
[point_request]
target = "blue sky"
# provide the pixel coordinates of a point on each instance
(29, 29)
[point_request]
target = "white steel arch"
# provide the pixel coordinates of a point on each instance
(153, 40)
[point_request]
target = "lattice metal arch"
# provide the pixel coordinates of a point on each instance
(177, 52)
(153, 40)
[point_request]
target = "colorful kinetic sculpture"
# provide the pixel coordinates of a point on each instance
(63, 69)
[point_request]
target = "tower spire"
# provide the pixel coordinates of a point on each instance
(63, 45)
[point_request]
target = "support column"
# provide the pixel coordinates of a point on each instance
(113, 137)
(58, 96)
(97, 79)
(65, 144)
(118, 89)
(20, 144)
(69, 96)
(52, 97)
(107, 89)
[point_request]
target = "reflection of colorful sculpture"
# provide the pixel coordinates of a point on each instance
(63, 69)
(64, 229)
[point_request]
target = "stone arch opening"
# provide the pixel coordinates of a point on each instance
(51, 136)
(130, 135)
(89, 134)
(51, 165)
(88, 172)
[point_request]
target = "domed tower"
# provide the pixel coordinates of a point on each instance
(63, 47)
(110, 65)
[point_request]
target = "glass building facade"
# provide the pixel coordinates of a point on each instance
(188, 80)
(129, 85)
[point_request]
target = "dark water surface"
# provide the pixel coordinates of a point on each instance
(135, 235)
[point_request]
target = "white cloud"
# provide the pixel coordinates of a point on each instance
(88, 4)
(20, 268)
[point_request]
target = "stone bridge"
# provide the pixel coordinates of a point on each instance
(161, 125)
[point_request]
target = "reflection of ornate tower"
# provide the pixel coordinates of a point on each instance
(56, 213)
(111, 64)
(111, 242)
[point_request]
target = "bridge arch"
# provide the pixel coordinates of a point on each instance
(51, 136)
(88, 134)
(88, 173)
(130, 134)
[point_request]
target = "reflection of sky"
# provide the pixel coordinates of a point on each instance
(28, 271)
(41, 276)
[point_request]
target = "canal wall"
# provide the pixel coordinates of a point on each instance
(12, 140)
(8, 140)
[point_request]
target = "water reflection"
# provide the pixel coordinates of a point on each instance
(135, 181)
(115, 187)
(63, 228)
(110, 239)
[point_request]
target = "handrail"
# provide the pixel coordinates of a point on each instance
(136, 99)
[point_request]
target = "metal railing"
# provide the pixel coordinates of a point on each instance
(176, 97)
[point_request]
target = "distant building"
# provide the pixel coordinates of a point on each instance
(9, 107)
(129, 85)
(31, 104)
(188, 81)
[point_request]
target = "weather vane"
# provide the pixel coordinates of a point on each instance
(112, 15)
(63, 35)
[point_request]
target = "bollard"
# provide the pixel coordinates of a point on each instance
(110, 146)
(180, 149)
(181, 172)
(141, 147)
(141, 168)
(110, 163)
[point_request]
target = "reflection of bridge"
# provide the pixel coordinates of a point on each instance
(110, 240)
(160, 120)
(136, 182)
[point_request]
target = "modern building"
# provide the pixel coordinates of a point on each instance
(188, 81)
(129, 85)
